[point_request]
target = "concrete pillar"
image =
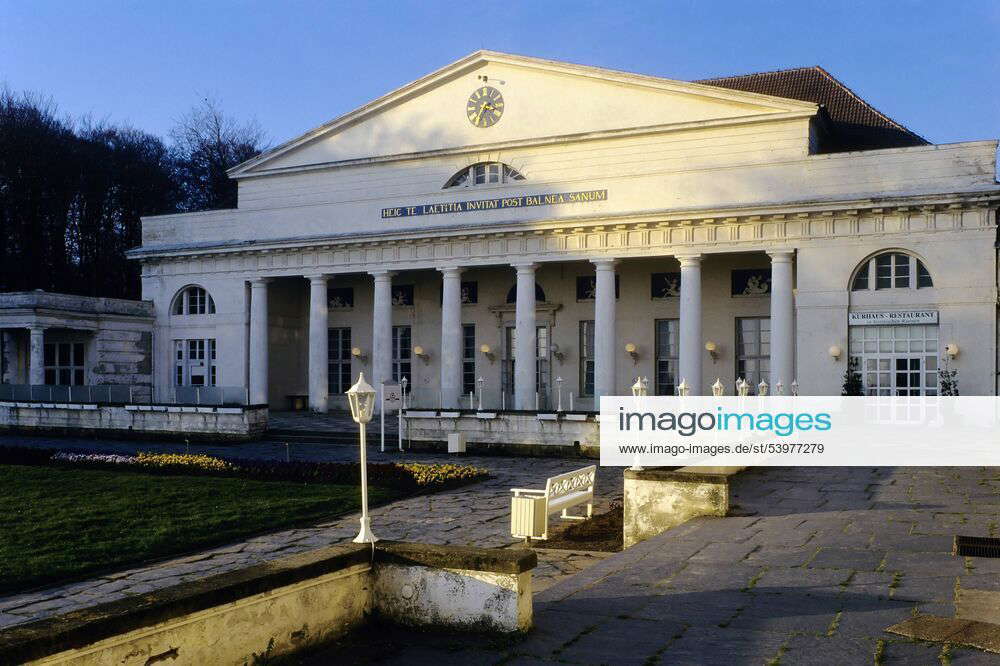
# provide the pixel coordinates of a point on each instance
(8, 358)
(319, 341)
(689, 362)
(525, 348)
(604, 329)
(382, 329)
(451, 337)
(258, 341)
(36, 356)
(782, 321)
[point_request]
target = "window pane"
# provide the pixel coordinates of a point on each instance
(923, 277)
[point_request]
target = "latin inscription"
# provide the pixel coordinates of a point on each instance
(502, 203)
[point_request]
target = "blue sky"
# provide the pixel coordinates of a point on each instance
(934, 66)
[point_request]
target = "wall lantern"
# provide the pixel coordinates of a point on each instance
(358, 354)
(487, 352)
(713, 350)
(557, 352)
(835, 352)
(419, 352)
(630, 349)
(951, 349)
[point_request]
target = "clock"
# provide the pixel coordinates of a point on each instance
(485, 106)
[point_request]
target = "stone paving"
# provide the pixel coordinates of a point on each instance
(475, 515)
(822, 562)
(811, 569)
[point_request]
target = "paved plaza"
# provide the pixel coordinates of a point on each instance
(811, 569)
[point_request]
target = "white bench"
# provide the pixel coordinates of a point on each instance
(531, 507)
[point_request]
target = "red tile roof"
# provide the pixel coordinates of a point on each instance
(852, 123)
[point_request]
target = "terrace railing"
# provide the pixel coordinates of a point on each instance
(120, 394)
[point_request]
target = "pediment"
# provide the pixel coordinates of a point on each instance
(541, 99)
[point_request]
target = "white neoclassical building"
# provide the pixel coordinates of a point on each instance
(526, 229)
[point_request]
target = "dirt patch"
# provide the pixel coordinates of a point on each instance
(603, 532)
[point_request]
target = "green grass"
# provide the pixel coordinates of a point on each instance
(58, 524)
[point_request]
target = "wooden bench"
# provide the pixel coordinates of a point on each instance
(531, 507)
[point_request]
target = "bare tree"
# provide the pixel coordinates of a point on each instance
(207, 143)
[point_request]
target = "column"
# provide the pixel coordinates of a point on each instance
(782, 321)
(382, 329)
(604, 329)
(525, 348)
(689, 362)
(319, 341)
(451, 337)
(258, 341)
(36, 356)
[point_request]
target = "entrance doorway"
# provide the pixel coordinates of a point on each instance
(543, 365)
(897, 360)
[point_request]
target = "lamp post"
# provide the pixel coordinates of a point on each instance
(683, 389)
(718, 388)
(481, 381)
(639, 388)
(559, 381)
(361, 398)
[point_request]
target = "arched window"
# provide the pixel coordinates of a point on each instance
(484, 173)
(539, 294)
(193, 300)
(891, 270)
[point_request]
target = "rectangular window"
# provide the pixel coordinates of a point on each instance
(402, 349)
(753, 350)
(339, 360)
(64, 363)
(195, 362)
(587, 358)
(667, 331)
(468, 359)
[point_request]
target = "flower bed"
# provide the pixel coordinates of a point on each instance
(404, 476)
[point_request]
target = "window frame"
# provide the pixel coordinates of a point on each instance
(191, 297)
(73, 365)
(402, 354)
(586, 365)
(671, 359)
(760, 358)
(869, 277)
(338, 359)
(469, 359)
(479, 175)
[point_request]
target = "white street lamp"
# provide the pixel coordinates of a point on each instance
(718, 388)
(361, 397)
(559, 381)
(762, 388)
(481, 381)
(683, 389)
(638, 389)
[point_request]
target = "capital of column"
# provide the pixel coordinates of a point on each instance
(525, 269)
(260, 282)
(36, 329)
(451, 271)
(317, 278)
(604, 264)
(688, 259)
(382, 275)
(781, 256)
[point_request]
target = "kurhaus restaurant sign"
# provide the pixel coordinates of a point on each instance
(883, 317)
(502, 203)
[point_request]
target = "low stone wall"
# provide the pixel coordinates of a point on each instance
(656, 500)
(537, 433)
(153, 421)
(284, 606)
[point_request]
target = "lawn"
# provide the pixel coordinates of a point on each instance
(58, 523)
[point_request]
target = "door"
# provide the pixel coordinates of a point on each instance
(543, 365)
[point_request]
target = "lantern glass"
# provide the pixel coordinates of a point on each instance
(361, 397)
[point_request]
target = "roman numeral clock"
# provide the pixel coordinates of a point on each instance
(485, 106)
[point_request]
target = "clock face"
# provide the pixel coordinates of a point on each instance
(485, 106)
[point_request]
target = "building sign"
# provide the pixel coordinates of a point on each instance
(888, 317)
(502, 203)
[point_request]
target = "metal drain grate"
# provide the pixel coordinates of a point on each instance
(971, 546)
